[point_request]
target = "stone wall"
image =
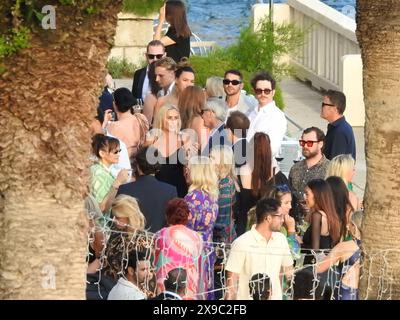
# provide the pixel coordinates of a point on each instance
(132, 36)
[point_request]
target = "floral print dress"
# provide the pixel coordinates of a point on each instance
(203, 214)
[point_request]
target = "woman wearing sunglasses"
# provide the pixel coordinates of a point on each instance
(177, 38)
(103, 185)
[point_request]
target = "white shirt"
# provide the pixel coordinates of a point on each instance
(269, 120)
(246, 104)
(125, 290)
(251, 254)
(145, 89)
(123, 161)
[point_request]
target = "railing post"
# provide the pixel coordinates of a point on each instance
(351, 83)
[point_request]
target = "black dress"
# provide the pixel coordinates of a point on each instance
(171, 172)
(325, 242)
(181, 47)
(247, 200)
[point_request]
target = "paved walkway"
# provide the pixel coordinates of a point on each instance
(303, 105)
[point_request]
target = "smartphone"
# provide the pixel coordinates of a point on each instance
(113, 116)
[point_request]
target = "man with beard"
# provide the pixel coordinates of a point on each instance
(236, 99)
(263, 249)
(314, 166)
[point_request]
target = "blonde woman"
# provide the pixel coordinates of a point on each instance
(343, 166)
(202, 200)
(224, 230)
(127, 234)
(173, 148)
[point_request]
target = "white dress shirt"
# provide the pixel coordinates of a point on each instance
(270, 120)
(146, 89)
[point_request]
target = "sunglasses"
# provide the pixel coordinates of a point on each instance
(234, 82)
(327, 104)
(153, 56)
(259, 91)
(309, 143)
(116, 151)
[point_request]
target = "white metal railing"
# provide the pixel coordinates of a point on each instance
(330, 36)
(330, 57)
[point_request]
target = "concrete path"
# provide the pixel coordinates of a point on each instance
(303, 105)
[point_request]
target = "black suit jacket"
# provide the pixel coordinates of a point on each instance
(138, 80)
(152, 196)
(240, 150)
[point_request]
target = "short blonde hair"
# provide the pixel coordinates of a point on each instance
(161, 115)
(222, 157)
(203, 176)
(215, 87)
(340, 165)
(125, 206)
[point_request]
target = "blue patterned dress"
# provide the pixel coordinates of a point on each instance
(203, 214)
(224, 228)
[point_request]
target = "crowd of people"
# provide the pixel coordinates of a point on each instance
(187, 199)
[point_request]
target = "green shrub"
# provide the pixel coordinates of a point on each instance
(142, 7)
(253, 52)
(121, 68)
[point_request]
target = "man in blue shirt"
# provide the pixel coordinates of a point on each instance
(339, 137)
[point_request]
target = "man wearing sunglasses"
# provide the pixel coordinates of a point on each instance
(314, 166)
(340, 135)
(236, 99)
(267, 117)
(155, 51)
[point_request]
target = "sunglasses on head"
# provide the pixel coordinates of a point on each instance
(309, 143)
(153, 56)
(259, 91)
(234, 82)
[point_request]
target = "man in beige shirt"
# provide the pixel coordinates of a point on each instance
(263, 249)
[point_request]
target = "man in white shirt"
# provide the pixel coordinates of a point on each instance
(263, 249)
(236, 98)
(136, 271)
(267, 117)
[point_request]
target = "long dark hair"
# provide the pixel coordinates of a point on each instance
(261, 151)
(323, 198)
(175, 14)
(342, 201)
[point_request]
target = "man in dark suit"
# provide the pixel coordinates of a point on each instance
(214, 116)
(237, 125)
(155, 51)
(151, 194)
(175, 285)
